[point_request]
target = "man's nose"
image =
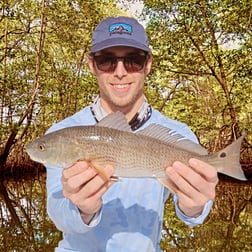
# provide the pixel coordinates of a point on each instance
(120, 70)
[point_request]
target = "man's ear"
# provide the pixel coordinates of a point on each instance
(91, 64)
(148, 65)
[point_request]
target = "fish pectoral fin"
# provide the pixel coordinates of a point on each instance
(114, 178)
(98, 164)
(166, 182)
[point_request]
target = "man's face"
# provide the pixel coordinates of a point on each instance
(121, 80)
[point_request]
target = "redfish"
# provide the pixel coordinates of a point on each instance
(143, 154)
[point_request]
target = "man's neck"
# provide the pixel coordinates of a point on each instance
(136, 117)
(129, 111)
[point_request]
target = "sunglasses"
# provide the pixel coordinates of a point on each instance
(132, 62)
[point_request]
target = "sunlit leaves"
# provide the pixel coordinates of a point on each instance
(202, 58)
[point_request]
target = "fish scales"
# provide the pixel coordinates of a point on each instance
(144, 154)
(126, 151)
(132, 155)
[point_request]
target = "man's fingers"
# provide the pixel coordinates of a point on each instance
(73, 183)
(194, 181)
(206, 170)
(75, 169)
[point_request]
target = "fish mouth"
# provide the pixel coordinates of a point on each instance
(32, 154)
(28, 149)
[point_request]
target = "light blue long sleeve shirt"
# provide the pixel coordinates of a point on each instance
(131, 216)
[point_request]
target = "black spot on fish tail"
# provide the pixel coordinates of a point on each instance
(223, 155)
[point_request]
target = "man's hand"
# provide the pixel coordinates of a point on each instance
(196, 185)
(85, 187)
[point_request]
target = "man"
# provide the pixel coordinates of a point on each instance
(99, 215)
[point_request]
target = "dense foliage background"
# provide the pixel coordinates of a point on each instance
(201, 73)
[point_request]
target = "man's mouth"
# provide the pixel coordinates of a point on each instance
(121, 86)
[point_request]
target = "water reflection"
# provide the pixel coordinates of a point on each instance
(25, 225)
(228, 227)
(24, 222)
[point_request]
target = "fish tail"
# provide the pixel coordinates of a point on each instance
(227, 161)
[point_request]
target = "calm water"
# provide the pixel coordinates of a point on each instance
(24, 224)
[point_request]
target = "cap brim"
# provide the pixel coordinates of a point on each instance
(118, 42)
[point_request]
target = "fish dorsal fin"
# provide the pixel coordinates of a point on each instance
(115, 120)
(172, 138)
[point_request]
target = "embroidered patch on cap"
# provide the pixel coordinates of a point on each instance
(120, 28)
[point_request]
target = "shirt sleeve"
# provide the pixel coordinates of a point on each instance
(190, 221)
(61, 210)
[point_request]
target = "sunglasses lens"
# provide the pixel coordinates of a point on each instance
(132, 63)
(105, 63)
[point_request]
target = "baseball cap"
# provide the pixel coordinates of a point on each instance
(119, 31)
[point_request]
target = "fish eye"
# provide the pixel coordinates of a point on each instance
(42, 146)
